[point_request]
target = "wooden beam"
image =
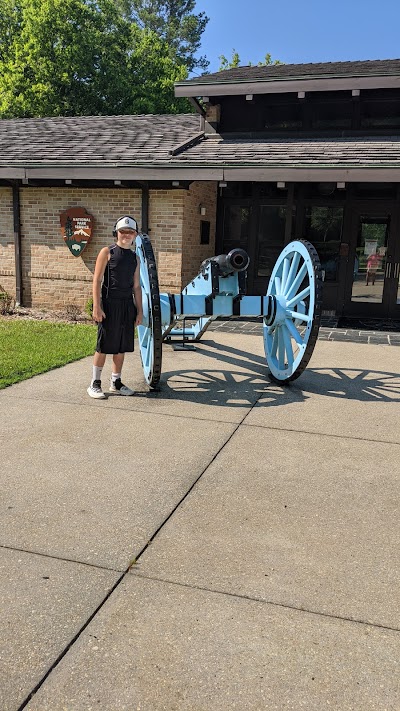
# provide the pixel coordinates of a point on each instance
(283, 86)
(319, 175)
(133, 173)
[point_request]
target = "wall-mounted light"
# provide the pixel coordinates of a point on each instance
(281, 185)
(68, 182)
(202, 209)
(249, 97)
(341, 186)
(206, 99)
(355, 92)
(117, 182)
(222, 185)
(301, 94)
(25, 181)
(175, 183)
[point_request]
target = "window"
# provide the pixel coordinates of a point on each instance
(332, 115)
(204, 232)
(380, 114)
(270, 238)
(283, 117)
(323, 228)
(235, 227)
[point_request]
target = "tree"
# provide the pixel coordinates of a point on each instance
(80, 57)
(175, 22)
(152, 73)
(236, 62)
(229, 64)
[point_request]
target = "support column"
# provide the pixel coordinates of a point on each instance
(145, 208)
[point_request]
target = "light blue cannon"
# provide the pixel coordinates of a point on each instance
(290, 310)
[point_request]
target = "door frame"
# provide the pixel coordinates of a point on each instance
(388, 307)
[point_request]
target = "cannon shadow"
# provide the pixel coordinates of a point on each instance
(246, 382)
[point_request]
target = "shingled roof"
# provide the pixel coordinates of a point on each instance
(144, 148)
(377, 67)
(278, 78)
(216, 150)
(94, 139)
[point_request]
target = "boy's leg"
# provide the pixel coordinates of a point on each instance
(94, 389)
(116, 385)
(118, 361)
(99, 359)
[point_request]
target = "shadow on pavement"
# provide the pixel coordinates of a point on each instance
(246, 381)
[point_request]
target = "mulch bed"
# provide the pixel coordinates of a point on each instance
(63, 316)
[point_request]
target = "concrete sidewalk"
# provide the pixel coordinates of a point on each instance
(224, 544)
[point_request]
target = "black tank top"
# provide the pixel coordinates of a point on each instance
(118, 276)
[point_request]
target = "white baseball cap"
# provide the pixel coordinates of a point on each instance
(126, 223)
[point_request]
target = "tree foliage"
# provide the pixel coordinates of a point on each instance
(175, 22)
(235, 61)
(81, 57)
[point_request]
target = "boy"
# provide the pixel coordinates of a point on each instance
(116, 276)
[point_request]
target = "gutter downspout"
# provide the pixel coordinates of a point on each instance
(145, 208)
(17, 243)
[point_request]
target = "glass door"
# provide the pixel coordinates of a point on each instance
(235, 226)
(260, 231)
(372, 284)
(269, 242)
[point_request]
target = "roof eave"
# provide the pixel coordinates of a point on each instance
(37, 171)
(388, 172)
(290, 85)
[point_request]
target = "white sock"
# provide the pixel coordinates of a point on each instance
(115, 376)
(96, 373)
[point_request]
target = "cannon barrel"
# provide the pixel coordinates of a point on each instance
(237, 260)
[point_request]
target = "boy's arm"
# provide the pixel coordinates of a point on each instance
(101, 263)
(137, 292)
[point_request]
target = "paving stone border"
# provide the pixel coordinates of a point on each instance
(326, 333)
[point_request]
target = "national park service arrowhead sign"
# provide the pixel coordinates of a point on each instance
(76, 229)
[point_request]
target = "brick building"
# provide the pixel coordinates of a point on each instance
(271, 154)
(50, 165)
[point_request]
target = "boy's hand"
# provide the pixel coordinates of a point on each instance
(139, 318)
(98, 314)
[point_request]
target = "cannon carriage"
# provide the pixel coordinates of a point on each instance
(290, 310)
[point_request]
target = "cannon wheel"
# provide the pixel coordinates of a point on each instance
(149, 332)
(291, 330)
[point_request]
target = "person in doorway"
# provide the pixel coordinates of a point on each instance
(372, 267)
(117, 306)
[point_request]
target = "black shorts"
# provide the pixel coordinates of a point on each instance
(115, 334)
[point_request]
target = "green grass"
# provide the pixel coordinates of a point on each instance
(28, 348)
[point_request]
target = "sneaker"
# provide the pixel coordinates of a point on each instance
(94, 390)
(116, 386)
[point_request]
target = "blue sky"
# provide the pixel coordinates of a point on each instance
(301, 31)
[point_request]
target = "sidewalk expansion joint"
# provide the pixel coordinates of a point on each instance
(214, 457)
(264, 601)
(321, 434)
(60, 558)
(143, 412)
(70, 644)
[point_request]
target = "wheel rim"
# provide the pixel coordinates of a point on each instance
(296, 288)
(149, 332)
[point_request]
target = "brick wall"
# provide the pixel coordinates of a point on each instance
(7, 250)
(166, 216)
(194, 253)
(52, 277)
(174, 229)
